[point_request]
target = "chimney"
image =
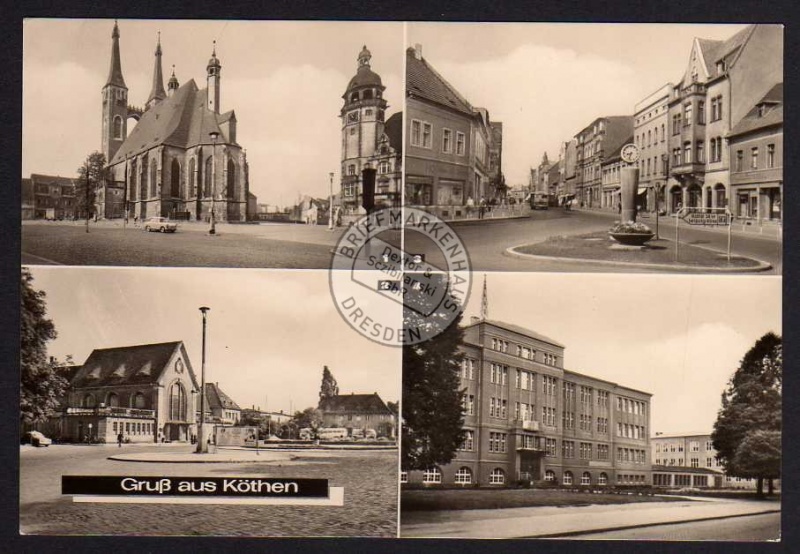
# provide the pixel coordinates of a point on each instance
(418, 51)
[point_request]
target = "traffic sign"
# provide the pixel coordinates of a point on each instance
(707, 218)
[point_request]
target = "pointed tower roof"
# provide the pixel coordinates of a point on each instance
(213, 61)
(157, 92)
(173, 81)
(115, 70)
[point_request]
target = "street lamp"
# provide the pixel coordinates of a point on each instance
(330, 204)
(214, 135)
(202, 445)
(665, 159)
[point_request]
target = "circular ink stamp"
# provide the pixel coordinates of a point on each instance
(394, 297)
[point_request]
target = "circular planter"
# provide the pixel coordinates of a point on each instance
(632, 239)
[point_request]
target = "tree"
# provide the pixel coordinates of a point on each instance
(41, 384)
(747, 433)
(91, 174)
(329, 388)
(432, 401)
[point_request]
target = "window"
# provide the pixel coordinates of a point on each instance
(427, 135)
(602, 452)
(687, 114)
(694, 446)
(177, 403)
(739, 160)
(602, 479)
(695, 462)
(549, 475)
(383, 167)
(463, 476)
(676, 124)
(416, 133)
(497, 477)
(352, 117)
(567, 478)
(770, 156)
(700, 154)
(586, 451)
(568, 449)
(663, 134)
(118, 127)
(586, 478)
(469, 406)
(404, 477)
(550, 447)
(754, 158)
(687, 152)
(447, 141)
(432, 475)
(701, 112)
(460, 143)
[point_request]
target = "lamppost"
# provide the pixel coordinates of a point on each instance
(330, 204)
(213, 134)
(665, 159)
(86, 167)
(202, 445)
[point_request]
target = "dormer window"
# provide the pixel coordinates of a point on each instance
(721, 66)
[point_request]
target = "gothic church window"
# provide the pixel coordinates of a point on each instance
(231, 185)
(175, 179)
(207, 181)
(118, 127)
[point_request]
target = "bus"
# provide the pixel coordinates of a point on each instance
(540, 200)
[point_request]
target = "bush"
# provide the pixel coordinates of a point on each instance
(631, 227)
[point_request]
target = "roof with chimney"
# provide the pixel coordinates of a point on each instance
(142, 364)
(423, 81)
(354, 403)
(767, 112)
(217, 399)
(182, 120)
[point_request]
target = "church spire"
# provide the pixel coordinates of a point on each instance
(157, 93)
(115, 70)
(485, 301)
(173, 84)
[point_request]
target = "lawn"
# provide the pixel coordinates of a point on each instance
(482, 499)
(596, 246)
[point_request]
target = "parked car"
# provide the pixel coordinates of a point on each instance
(161, 224)
(35, 438)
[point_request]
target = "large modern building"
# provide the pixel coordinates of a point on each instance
(528, 418)
(182, 158)
(722, 82)
(369, 140)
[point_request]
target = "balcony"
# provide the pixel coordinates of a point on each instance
(688, 168)
(694, 88)
(112, 411)
(526, 425)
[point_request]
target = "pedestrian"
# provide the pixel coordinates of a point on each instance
(481, 207)
(619, 207)
(119, 440)
(470, 205)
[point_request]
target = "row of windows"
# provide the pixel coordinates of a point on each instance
(754, 158)
(497, 407)
(631, 455)
(422, 136)
(499, 373)
(497, 442)
(497, 476)
(694, 462)
(630, 431)
(136, 400)
(694, 446)
(630, 406)
(666, 480)
(133, 427)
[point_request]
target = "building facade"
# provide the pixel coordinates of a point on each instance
(756, 148)
(527, 418)
(146, 392)
(358, 412)
(48, 197)
(594, 144)
(369, 140)
(181, 160)
(220, 407)
(650, 124)
(723, 80)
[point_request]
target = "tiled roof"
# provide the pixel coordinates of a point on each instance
(619, 131)
(394, 130)
(423, 81)
(519, 330)
(614, 156)
(773, 114)
(182, 120)
(52, 179)
(140, 364)
(218, 399)
(715, 50)
(355, 403)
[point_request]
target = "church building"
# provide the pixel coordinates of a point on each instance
(369, 140)
(181, 160)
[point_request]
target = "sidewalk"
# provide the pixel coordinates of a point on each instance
(552, 521)
(214, 456)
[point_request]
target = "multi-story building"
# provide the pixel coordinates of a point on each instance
(673, 453)
(48, 197)
(221, 407)
(569, 168)
(612, 180)
(358, 412)
(497, 180)
(756, 149)
(480, 155)
(723, 80)
(650, 124)
(527, 417)
(594, 143)
(369, 140)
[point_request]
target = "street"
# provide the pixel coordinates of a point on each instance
(369, 480)
(762, 527)
(486, 242)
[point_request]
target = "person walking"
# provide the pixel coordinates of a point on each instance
(470, 206)
(119, 440)
(481, 207)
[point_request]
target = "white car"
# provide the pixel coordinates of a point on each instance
(162, 224)
(35, 438)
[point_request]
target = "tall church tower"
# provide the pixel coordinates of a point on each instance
(212, 80)
(157, 93)
(115, 103)
(362, 126)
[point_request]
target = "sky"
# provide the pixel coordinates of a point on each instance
(284, 80)
(547, 81)
(678, 337)
(269, 333)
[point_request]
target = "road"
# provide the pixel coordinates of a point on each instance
(486, 242)
(763, 527)
(369, 480)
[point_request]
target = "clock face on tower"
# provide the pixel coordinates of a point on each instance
(179, 366)
(629, 153)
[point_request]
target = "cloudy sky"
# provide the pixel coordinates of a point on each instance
(546, 82)
(679, 337)
(284, 80)
(269, 332)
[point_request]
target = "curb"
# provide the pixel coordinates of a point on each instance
(460, 222)
(643, 525)
(762, 266)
